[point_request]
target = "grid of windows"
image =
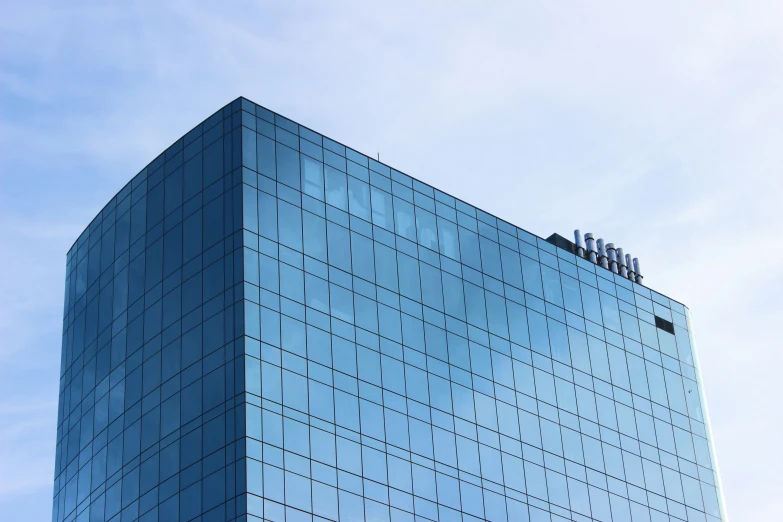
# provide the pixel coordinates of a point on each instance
(385, 352)
(147, 426)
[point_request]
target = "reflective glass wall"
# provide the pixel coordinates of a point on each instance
(285, 329)
(410, 357)
(148, 427)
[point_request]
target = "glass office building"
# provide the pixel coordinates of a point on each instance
(267, 325)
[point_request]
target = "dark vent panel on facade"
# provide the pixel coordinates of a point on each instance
(663, 324)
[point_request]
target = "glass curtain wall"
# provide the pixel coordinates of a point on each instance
(267, 325)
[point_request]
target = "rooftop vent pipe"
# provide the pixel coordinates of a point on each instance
(580, 247)
(612, 258)
(639, 276)
(607, 256)
(602, 260)
(590, 242)
(621, 263)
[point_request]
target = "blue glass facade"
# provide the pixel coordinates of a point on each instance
(267, 325)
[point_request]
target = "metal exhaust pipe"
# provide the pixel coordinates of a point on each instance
(612, 253)
(602, 259)
(638, 270)
(608, 256)
(580, 247)
(590, 242)
(621, 263)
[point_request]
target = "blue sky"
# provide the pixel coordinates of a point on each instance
(657, 126)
